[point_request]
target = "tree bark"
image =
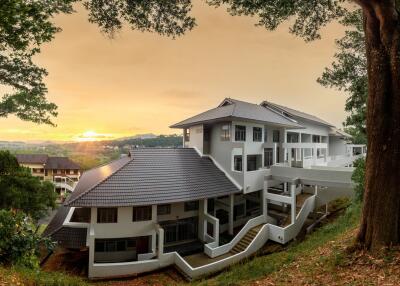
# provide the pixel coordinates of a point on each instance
(380, 223)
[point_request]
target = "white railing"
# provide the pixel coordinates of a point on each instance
(278, 198)
(196, 272)
(292, 230)
(213, 250)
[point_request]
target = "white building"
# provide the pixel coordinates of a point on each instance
(247, 174)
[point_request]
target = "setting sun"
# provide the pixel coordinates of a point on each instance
(91, 135)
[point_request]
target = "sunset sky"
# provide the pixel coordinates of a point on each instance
(142, 82)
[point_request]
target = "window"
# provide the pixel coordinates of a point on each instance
(265, 134)
(81, 215)
(292, 137)
(316, 139)
(141, 213)
(240, 133)
(257, 134)
(111, 245)
(276, 136)
(238, 163)
(187, 134)
(238, 211)
(225, 132)
(278, 154)
(107, 215)
(191, 206)
(268, 157)
(307, 152)
(164, 209)
(180, 230)
(253, 162)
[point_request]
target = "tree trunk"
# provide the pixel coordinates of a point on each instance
(380, 224)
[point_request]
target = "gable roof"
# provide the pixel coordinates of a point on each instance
(47, 161)
(32, 158)
(235, 109)
(339, 133)
(152, 176)
(295, 113)
(61, 163)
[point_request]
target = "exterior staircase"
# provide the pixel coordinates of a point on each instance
(246, 240)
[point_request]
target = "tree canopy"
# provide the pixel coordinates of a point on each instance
(24, 27)
(19, 190)
(349, 73)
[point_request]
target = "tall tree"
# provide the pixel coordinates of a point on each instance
(381, 24)
(349, 73)
(24, 27)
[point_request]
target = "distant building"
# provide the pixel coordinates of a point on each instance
(63, 172)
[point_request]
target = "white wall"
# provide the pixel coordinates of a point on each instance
(337, 146)
(196, 138)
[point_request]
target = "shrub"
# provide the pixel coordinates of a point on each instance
(358, 177)
(20, 243)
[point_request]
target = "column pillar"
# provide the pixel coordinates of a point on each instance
(231, 207)
(264, 203)
(293, 198)
(160, 242)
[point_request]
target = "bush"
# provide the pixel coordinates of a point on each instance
(358, 177)
(20, 243)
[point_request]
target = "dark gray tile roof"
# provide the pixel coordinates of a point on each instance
(70, 237)
(67, 237)
(32, 158)
(61, 163)
(236, 109)
(57, 221)
(296, 113)
(48, 162)
(153, 176)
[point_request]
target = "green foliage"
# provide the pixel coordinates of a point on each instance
(24, 27)
(248, 271)
(168, 18)
(358, 177)
(306, 17)
(349, 73)
(21, 191)
(20, 243)
(27, 276)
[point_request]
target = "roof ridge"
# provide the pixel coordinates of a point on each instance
(101, 181)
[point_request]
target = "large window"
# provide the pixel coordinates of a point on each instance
(268, 157)
(181, 230)
(191, 206)
(240, 133)
(164, 209)
(187, 134)
(111, 245)
(276, 136)
(225, 132)
(253, 162)
(141, 213)
(292, 137)
(316, 139)
(238, 163)
(107, 215)
(257, 134)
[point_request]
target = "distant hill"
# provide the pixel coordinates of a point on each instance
(138, 136)
(147, 141)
